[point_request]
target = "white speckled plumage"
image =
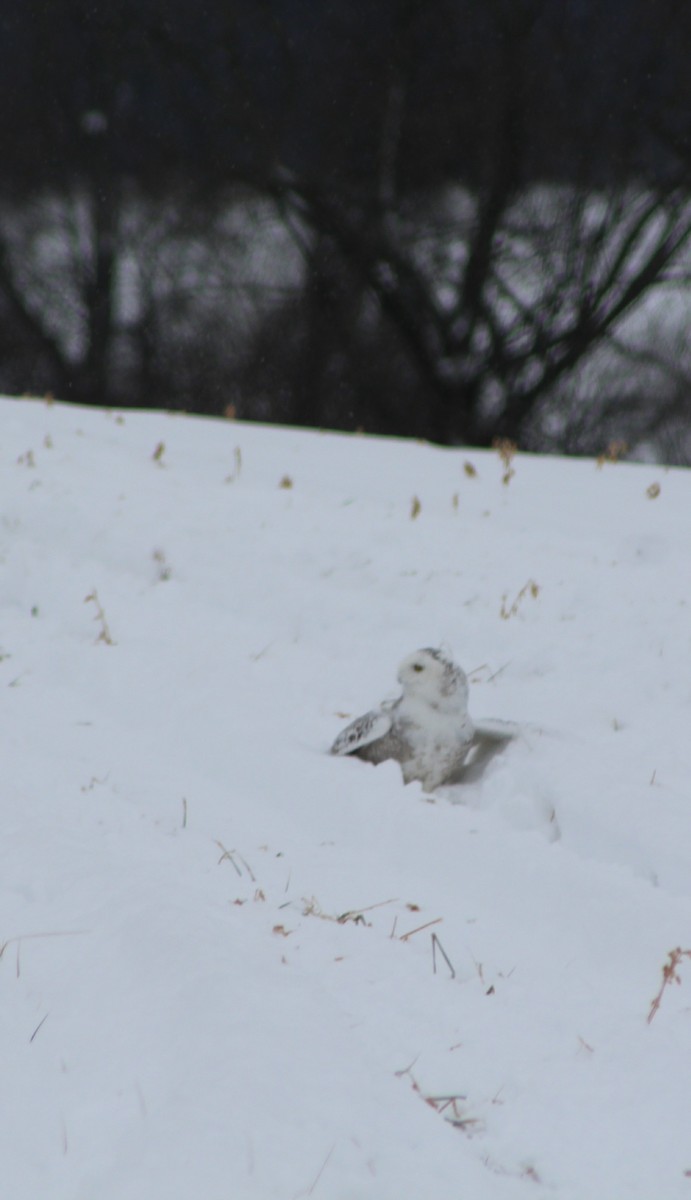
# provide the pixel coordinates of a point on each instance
(427, 730)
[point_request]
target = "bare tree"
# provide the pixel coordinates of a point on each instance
(473, 306)
(405, 217)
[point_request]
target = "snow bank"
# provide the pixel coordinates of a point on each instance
(219, 977)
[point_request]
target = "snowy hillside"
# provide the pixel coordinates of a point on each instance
(236, 968)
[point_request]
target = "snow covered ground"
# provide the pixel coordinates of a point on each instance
(218, 978)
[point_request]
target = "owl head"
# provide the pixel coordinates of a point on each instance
(431, 676)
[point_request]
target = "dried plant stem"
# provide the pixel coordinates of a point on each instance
(505, 612)
(104, 635)
(352, 914)
(419, 928)
(506, 449)
(442, 951)
(670, 974)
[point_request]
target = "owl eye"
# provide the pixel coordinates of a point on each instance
(418, 667)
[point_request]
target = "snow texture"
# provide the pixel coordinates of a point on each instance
(236, 967)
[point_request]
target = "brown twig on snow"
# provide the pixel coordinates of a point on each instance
(670, 974)
(315, 1181)
(354, 913)
(38, 1027)
(104, 635)
(419, 928)
(442, 951)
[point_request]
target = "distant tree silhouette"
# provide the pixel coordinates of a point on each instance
(460, 313)
(437, 218)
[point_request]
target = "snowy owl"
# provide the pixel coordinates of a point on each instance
(427, 730)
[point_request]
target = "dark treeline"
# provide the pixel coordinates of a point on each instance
(458, 219)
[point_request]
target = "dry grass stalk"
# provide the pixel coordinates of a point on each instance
(670, 974)
(419, 928)
(442, 951)
(230, 856)
(42, 1022)
(237, 466)
(313, 909)
(104, 635)
(529, 588)
(446, 1106)
(315, 1181)
(506, 449)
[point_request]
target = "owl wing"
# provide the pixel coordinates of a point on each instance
(363, 732)
(489, 738)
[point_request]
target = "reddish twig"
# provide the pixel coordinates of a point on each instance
(670, 974)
